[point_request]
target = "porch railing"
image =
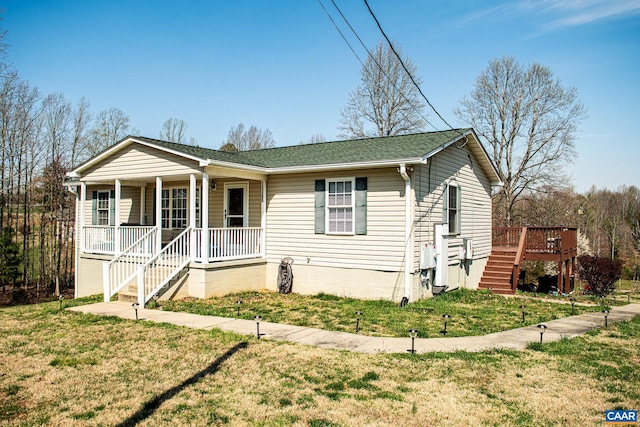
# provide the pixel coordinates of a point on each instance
(123, 269)
(539, 240)
(98, 239)
(235, 243)
(101, 238)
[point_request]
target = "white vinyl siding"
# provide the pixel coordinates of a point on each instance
(291, 223)
(139, 161)
(459, 167)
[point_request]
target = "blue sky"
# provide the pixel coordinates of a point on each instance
(282, 65)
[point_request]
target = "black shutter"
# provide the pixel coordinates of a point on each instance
(112, 207)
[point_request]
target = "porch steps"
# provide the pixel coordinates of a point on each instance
(497, 273)
(130, 293)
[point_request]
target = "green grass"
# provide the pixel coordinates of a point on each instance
(49, 378)
(472, 312)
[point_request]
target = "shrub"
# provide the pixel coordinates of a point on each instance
(600, 274)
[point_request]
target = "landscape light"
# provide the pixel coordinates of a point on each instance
(358, 315)
(258, 319)
(413, 333)
(522, 307)
(61, 298)
(239, 302)
(573, 305)
(542, 328)
(606, 318)
(135, 306)
(490, 290)
(446, 317)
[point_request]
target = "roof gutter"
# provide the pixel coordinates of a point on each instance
(407, 230)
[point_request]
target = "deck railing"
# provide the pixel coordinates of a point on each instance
(539, 240)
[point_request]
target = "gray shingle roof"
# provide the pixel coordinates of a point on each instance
(325, 153)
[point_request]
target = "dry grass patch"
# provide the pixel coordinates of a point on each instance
(149, 375)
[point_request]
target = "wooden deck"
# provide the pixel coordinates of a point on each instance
(512, 245)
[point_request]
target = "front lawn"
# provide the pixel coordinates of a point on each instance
(69, 369)
(472, 312)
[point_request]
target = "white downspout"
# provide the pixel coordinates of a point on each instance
(407, 230)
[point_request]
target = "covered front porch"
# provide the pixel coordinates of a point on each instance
(150, 230)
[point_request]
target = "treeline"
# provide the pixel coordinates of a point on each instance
(42, 137)
(608, 220)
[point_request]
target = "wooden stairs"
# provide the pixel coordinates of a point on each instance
(499, 270)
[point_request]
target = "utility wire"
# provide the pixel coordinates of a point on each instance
(370, 55)
(380, 67)
(403, 66)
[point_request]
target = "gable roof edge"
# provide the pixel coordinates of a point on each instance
(123, 143)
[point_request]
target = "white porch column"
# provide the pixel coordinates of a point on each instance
(205, 247)
(116, 220)
(263, 219)
(192, 213)
(143, 198)
(158, 214)
(83, 202)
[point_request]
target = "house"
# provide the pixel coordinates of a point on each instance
(379, 218)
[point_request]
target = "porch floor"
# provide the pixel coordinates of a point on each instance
(517, 339)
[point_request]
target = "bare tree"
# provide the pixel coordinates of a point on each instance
(80, 137)
(239, 139)
(316, 138)
(110, 127)
(386, 102)
(173, 130)
(529, 121)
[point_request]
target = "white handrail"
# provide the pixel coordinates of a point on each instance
(162, 267)
(122, 269)
(235, 243)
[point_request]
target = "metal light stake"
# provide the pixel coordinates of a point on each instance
(358, 315)
(238, 302)
(258, 319)
(413, 333)
(522, 307)
(542, 329)
(573, 305)
(446, 317)
(135, 306)
(61, 298)
(606, 318)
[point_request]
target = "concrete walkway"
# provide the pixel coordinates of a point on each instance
(514, 339)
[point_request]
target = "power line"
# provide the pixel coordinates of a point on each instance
(403, 66)
(380, 66)
(370, 56)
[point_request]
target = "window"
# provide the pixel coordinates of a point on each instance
(102, 208)
(340, 206)
(174, 208)
(451, 208)
(179, 208)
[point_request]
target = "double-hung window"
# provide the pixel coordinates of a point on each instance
(451, 211)
(341, 206)
(102, 208)
(340, 201)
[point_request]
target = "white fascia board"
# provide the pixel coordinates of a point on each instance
(231, 165)
(342, 166)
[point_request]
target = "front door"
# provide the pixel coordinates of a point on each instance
(235, 211)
